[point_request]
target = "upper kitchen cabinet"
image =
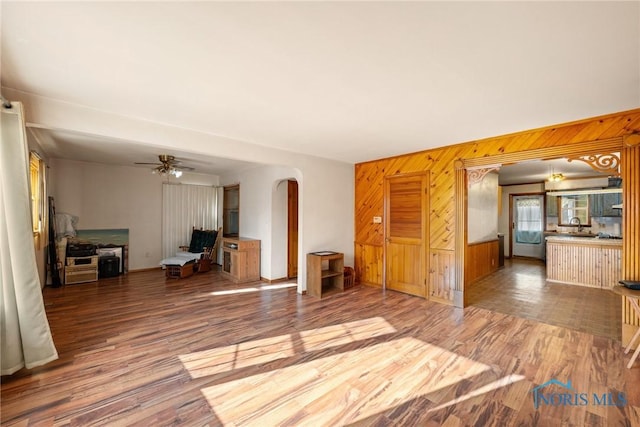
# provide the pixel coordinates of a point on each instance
(602, 204)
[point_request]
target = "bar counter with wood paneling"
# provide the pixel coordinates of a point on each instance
(584, 261)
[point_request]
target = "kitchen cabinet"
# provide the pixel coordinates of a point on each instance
(600, 204)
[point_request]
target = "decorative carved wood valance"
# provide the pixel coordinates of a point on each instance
(475, 176)
(606, 163)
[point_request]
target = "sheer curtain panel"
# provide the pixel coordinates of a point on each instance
(184, 207)
(25, 337)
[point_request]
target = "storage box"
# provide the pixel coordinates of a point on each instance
(179, 271)
(108, 266)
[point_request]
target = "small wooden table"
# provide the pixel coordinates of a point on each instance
(633, 297)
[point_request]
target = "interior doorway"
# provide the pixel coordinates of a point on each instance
(231, 211)
(292, 228)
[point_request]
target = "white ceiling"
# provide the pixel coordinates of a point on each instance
(91, 148)
(351, 81)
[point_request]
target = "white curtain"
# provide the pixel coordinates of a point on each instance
(25, 337)
(184, 207)
(529, 220)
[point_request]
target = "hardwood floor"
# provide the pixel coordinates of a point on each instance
(520, 289)
(143, 350)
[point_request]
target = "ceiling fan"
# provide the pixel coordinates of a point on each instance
(168, 166)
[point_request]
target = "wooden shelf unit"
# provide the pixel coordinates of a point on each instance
(325, 273)
(240, 259)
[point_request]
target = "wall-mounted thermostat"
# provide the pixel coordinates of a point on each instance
(377, 220)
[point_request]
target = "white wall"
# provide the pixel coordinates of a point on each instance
(503, 220)
(325, 221)
(482, 208)
(326, 187)
(108, 196)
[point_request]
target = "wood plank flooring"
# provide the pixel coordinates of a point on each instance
(202, 351)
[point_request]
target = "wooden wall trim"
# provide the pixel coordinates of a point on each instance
(446, 166)
(461, 226)
(630, 158)
(631, 212)
(597, 146)
(484, 242)
(589, 147)
(632, 139)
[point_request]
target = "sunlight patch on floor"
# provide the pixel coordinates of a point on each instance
(255, 289)
(341, 388)
(494, 385)
(237, 356)
(345, 333)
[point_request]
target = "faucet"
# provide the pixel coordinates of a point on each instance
(580, 228)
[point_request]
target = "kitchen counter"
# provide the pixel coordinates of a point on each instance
(569, 239)
(584, 261)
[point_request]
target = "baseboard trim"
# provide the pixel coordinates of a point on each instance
(281, 280)
(140, 270)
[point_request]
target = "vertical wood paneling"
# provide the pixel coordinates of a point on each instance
(460, 243)
(611, 266)
(592, 265)
(630, 159)
(442, 276)
(369, 270)
(482, 260)
(446, 181)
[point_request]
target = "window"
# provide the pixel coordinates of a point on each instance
(528, 219)
(38, 194)
(573, 208)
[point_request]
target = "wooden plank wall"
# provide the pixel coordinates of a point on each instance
(631, 228)
(482, 260)
(369, 193)
(596, 266)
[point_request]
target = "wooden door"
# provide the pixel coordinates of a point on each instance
(292, 229)
(406, 230)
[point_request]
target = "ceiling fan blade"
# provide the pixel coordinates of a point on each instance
(185, 168)
(143, 163)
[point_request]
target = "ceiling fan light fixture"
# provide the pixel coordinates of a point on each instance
(168, 166)
(556, 177)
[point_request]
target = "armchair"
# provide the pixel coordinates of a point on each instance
(203, 245)
(202, 250)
